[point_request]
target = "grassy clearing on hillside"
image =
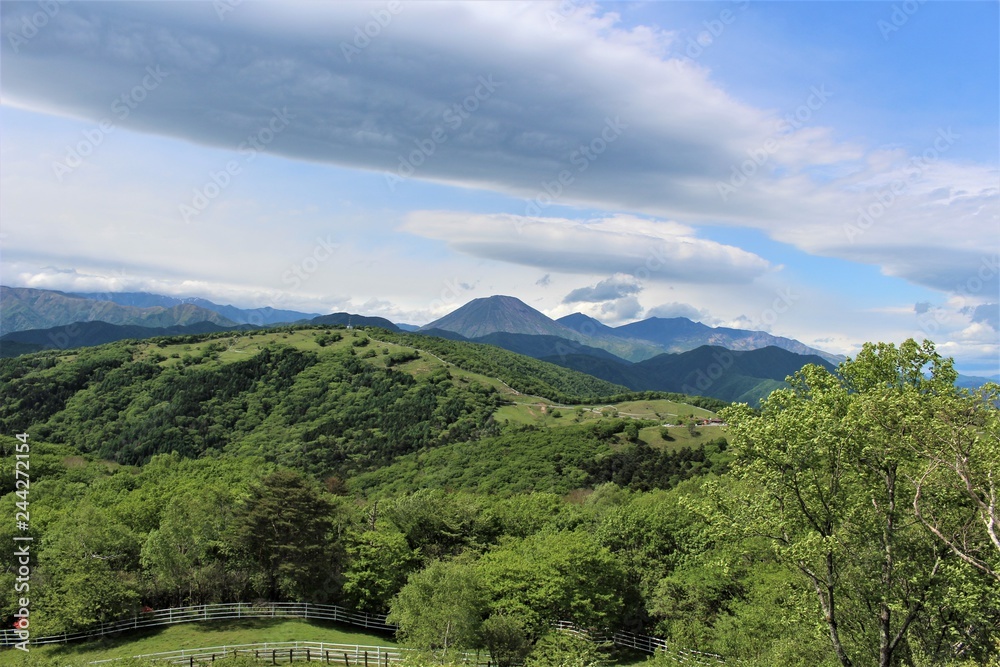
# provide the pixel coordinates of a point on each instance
(681, 437)
(200, 635)
(540, 412)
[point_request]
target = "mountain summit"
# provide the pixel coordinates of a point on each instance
(496, 314)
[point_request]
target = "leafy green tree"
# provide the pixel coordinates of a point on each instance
(559, 648)
(958, 488)
(436, 524)
(441, 607)
(283, 528)
(826, 472)
(378, 564)
(507, 640)
(555, 576)
(87, 571)
(188, 555)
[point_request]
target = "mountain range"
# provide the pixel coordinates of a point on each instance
(632, 342)
(658, 354)
(257, 316)
(23, 308)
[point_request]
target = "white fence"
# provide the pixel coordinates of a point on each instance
(215, 612)
(647, 644)
(350, 655)
(308, 650)
(347, 655)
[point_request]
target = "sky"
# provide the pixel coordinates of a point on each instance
(826, 171)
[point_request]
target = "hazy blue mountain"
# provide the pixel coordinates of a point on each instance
(258, 316)
(22, 309)
(633, 342)
(349, 319)
(679, 334)
(588, 326)
(543, 347)
(494, 314)
(507, 314)
(742, 376)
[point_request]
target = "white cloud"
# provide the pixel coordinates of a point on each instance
(640, 248)
(668, 310)
(612, 288)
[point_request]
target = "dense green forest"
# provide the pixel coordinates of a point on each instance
(850, 519)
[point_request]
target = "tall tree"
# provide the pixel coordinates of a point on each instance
(284, 530)
(378, 563)
(555, 576)
(826, 472)
(441, 607)
(958, 488)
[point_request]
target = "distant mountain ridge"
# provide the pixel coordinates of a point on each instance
(499, 314)
(635, 342)
(257, 316)
(509, 315)
(729, 375)
(23, 308)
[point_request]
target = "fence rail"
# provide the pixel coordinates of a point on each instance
(215, 612)
(645, 643)
(323, 612)
(346, 655)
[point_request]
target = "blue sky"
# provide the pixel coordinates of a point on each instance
(714, 160)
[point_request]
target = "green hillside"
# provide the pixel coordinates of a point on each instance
(327, 401)
(398, 473)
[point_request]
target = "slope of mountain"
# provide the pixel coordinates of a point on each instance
(258, 316)
(679, 334)
(737, 376)
(349, 319)
(495, 314)
(507, 314)
(351, 403)
(587, 326)
(22, 309)
(85, 334)
(635, 342)
(542, 347)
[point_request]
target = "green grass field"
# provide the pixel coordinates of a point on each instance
(197, 635)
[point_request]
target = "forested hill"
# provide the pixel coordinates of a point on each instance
(318, 399)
